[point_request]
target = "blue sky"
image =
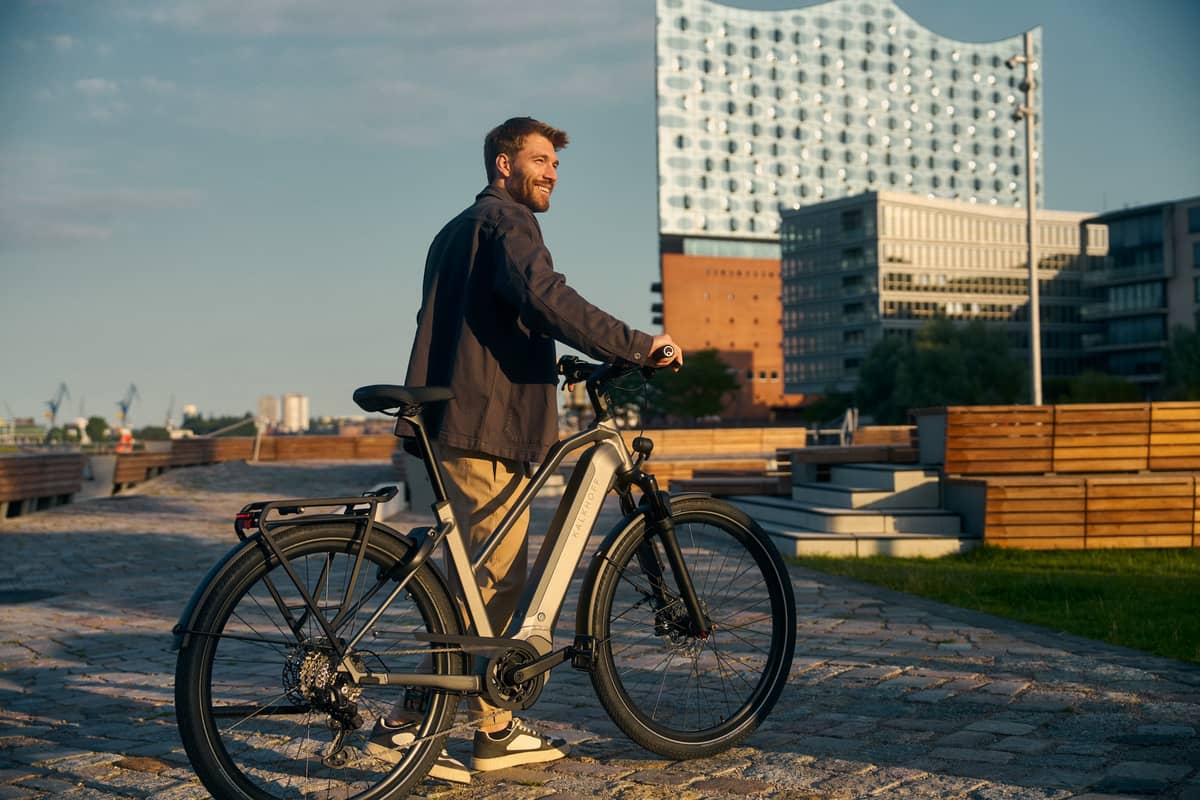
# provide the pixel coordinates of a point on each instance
(221, 199)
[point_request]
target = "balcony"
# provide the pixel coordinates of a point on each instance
(1098, 311)
(1138, 272)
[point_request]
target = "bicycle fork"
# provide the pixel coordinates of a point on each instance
(659, 524)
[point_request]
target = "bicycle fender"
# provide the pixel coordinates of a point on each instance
(584, 624)
(180, 635)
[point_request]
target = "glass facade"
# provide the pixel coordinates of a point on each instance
(881, 264)
(762, 111)
(1148, 286)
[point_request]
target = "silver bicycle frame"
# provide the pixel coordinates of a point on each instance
(590, 481)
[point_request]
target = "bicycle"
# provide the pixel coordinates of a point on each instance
(311, 626)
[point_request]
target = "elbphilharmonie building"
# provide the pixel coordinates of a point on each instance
(763, 112)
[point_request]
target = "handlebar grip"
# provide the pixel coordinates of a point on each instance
(666, 351)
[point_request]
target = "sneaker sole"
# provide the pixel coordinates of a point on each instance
(441, 771)
(518, 759)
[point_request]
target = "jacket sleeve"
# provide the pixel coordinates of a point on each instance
(526, 279)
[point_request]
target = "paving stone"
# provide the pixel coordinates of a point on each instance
(12, 792)
(971, 754)
(87, 695)
(1001, 727)
(1024, 744)
(737, 787)
(966, 739)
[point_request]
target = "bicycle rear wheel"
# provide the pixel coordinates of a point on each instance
(674, 693)
(259, 699)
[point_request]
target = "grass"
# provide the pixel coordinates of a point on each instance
(1144, 599)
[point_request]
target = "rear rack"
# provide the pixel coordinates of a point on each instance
(256, 515)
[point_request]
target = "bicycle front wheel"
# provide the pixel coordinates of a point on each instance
(674, 693)
(263, 709)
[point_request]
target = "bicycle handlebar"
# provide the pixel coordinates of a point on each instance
(576, 370)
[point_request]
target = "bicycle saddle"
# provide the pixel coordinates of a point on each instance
(381, 396)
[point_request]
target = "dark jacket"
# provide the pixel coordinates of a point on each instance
(492, 306)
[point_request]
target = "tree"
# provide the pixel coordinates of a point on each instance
(698, 390)
(1092, 387)
(96, 429)
(945, 364)
(153, 433)
(1183, 364)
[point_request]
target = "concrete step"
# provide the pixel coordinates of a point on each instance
(798, 542)
(889, 477)
(832, 495)
(789, 513)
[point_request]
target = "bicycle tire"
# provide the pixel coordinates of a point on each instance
(248, 688)
(675, 694)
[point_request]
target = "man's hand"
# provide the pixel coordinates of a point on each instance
(660, 341)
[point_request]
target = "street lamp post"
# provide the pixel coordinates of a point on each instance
(1026, 111)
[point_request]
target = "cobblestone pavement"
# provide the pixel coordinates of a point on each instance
(890, 696)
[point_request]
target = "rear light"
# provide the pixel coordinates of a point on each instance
(243, 521)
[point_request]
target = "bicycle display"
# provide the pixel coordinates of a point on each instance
(314, 624)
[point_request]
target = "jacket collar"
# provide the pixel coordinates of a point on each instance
(495, 191)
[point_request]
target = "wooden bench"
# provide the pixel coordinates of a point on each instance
(898, 435)
(726, 482)
(812, 464)
(1084, 512)
(36, 481)
(1072, 476)
(1141, 511)
(1110, 437)
(134, 468)
(990, 440)
(1174, 436)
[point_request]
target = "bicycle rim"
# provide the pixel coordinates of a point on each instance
(682, 695)
(263, 691)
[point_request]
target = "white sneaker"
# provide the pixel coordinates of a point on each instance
(388, 743)
(515, 745)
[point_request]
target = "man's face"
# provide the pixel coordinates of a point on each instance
(533, 173)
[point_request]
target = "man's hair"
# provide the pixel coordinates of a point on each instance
(509, 138)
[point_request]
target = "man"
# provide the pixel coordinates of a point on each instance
(492, 307)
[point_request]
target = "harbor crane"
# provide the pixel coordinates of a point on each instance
(56, 401)
(125, 403)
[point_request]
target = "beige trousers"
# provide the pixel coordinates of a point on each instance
(482, 489)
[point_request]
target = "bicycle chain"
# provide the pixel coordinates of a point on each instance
(431, 651)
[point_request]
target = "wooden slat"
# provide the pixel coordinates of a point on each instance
(1174, 436)
(1110, 437)
(1134, 541)
(1055, 543)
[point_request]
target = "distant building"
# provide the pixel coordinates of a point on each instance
(767, 111)
(880, 264)
(1147, 284)
(295, 413)
(268, 410)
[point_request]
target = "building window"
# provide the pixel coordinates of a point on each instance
(1194, 219)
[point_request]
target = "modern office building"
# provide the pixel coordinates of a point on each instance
(882, 263)
(1147, 285)
(765, 111)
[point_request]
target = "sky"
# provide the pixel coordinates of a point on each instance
(214, 200)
